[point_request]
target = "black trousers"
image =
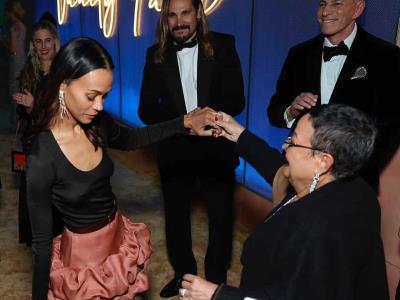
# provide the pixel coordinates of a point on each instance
(216, 185)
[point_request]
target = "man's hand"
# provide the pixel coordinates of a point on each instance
(201, 121)
(301, 102)
(196, 288)
(229, 128)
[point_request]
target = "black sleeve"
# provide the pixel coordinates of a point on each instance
(23, 113)
(226, 292)
(151, 110)
(126, 138)
(328, 263)
(40, 177)
(284, 94)
(265, 159)
(231, 90)
(324, 266)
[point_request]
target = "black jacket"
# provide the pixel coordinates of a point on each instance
(220, 86)
(327, 246)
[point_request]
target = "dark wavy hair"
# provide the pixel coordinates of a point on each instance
(75, 59)
(164, 36)
(347, 133)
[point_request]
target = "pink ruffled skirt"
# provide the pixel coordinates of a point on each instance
(104, 264)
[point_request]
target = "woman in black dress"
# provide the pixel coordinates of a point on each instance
(100, 254)
(322, 242)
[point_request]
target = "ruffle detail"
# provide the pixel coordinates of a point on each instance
(120, 276)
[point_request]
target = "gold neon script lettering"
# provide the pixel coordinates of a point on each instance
(108, 12)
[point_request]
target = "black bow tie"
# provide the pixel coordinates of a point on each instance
(179, 46)
(330, 52)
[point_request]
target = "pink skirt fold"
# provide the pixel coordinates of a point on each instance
(104, 264)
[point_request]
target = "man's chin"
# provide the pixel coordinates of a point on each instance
(180, 39)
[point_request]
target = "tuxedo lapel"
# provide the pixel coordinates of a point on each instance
(353, 61)
(204, 76)
(315, 60)
(173, 80)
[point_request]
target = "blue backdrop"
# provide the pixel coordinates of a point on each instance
(264, 31)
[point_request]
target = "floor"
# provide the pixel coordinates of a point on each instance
(136, 186)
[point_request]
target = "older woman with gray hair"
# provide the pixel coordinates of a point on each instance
(323, 240)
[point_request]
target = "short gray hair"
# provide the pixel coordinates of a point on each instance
(346, 133)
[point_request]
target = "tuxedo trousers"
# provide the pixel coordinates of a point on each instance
(212, 182)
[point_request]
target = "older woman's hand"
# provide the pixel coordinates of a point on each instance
(196, 288)
(26, 99)
(201, 121)
(231, 129)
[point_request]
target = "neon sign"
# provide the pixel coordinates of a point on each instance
(108, 12)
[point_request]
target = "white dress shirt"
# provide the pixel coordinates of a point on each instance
(187, 63)
(330, 71)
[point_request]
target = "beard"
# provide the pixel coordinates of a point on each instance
(181, 39)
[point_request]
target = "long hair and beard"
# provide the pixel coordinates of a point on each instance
(164, 37)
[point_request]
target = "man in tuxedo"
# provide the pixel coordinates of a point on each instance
(192, 67)
(343, 64)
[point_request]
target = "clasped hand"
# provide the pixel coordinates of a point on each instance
(207, 122)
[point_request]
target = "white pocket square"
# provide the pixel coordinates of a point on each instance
(361, 72)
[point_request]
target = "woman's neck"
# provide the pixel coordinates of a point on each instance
(66, 125)
(45, 66)
(304, 189)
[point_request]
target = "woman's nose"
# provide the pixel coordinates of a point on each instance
(98, 104)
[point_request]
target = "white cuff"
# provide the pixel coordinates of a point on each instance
(285, 116)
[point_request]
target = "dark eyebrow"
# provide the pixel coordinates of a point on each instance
(99, 92)
(95, 91)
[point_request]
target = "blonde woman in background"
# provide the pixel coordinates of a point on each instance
(43, 47)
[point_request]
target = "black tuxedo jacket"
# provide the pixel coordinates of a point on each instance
(219, 86)
(376, 93)
(326, 246)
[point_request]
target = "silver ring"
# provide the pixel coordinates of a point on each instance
(182, 292)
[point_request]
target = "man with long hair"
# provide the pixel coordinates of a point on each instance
(192, 67)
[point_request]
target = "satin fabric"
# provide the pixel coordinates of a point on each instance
(104, 264)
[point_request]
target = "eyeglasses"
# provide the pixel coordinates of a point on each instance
(289, 143)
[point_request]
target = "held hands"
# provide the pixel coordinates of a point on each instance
(301, 102)
(207, 122)
(196, 288)
(26, 99)
(229, 128)
(201, 121)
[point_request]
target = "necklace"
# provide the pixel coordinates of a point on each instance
(286, 203)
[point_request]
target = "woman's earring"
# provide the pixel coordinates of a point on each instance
(62, 107)
(314, 182)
